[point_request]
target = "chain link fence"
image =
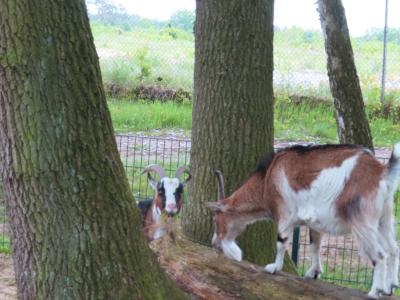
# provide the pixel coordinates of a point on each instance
(339, 255)
(136, 52)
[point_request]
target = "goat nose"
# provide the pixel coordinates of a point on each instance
(171, 206)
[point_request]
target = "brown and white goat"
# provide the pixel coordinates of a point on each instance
(333, 189)
(168, 199)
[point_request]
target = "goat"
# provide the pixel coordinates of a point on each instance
(168, 199)
(334, 189)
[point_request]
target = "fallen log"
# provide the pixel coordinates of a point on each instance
(206, 274)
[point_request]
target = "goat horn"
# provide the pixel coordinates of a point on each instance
(154, 168)
(221, 185)
(180, 171)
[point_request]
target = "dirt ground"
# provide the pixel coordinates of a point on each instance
(8, 290)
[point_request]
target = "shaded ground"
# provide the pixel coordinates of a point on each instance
(8, 288)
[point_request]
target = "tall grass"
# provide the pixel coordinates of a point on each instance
(166, 57)
(145, 56)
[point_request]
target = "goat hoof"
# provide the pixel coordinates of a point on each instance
(373, 294)
(271, 268)
(387, 292)
(312, 273)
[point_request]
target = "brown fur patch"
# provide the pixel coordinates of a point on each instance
(253, 193)
(302, 168)
(148, 222)
(361, 186)
(259, 196)
(149, 225)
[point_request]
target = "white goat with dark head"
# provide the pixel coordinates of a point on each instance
(167, 200)
(333, 189)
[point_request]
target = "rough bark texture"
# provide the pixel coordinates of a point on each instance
(351, 119)
(206, 274)
(232, 109)
(76, 231)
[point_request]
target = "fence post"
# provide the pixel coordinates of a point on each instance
(296, 245)
(384, 54)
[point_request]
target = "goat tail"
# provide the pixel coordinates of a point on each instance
(393, 166)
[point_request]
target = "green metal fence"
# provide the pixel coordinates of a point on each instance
(341, 262)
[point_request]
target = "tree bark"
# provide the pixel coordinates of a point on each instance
(351, 119)
(232, 110)
(206, 274)
(75, 228)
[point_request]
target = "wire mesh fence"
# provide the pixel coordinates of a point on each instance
(134, 51)
(341, 263)
(137, 152)
(339, 255)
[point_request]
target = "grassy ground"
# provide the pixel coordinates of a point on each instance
(145, 56)
(143, 116)
(5, 244)
(292, 122)
(155, 56)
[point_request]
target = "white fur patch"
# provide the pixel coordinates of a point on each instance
(271, 268)
(396, 150)
(159, 233)
(214, 239)
(231, 250)
(170, 186)
(315, 206)
(156, 213)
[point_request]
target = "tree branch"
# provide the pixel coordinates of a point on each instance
(206, 274)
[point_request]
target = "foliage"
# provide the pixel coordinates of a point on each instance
(106, 12)
(376, 34)
(183, 19)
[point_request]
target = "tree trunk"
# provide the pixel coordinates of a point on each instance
(351, 120)
(206, 274)
(232, 110)
(75, 228)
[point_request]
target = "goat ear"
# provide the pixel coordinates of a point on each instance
(215, 206)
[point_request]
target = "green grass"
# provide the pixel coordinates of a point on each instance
(2, 214)
(153, 56)
(5, 247)
(130, 116)
(144, 56)
(314, 123)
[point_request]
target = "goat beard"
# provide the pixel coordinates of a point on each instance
(168, 224)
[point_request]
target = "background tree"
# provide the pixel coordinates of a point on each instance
(232, 111)
(107, 11)
(183, 19)
(75, 228)
(351, 120)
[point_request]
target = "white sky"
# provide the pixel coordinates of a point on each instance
(361, 14)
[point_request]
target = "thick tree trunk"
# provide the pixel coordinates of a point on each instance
(351, 120)
(232, 110)
(206, 274)
(76, 231)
